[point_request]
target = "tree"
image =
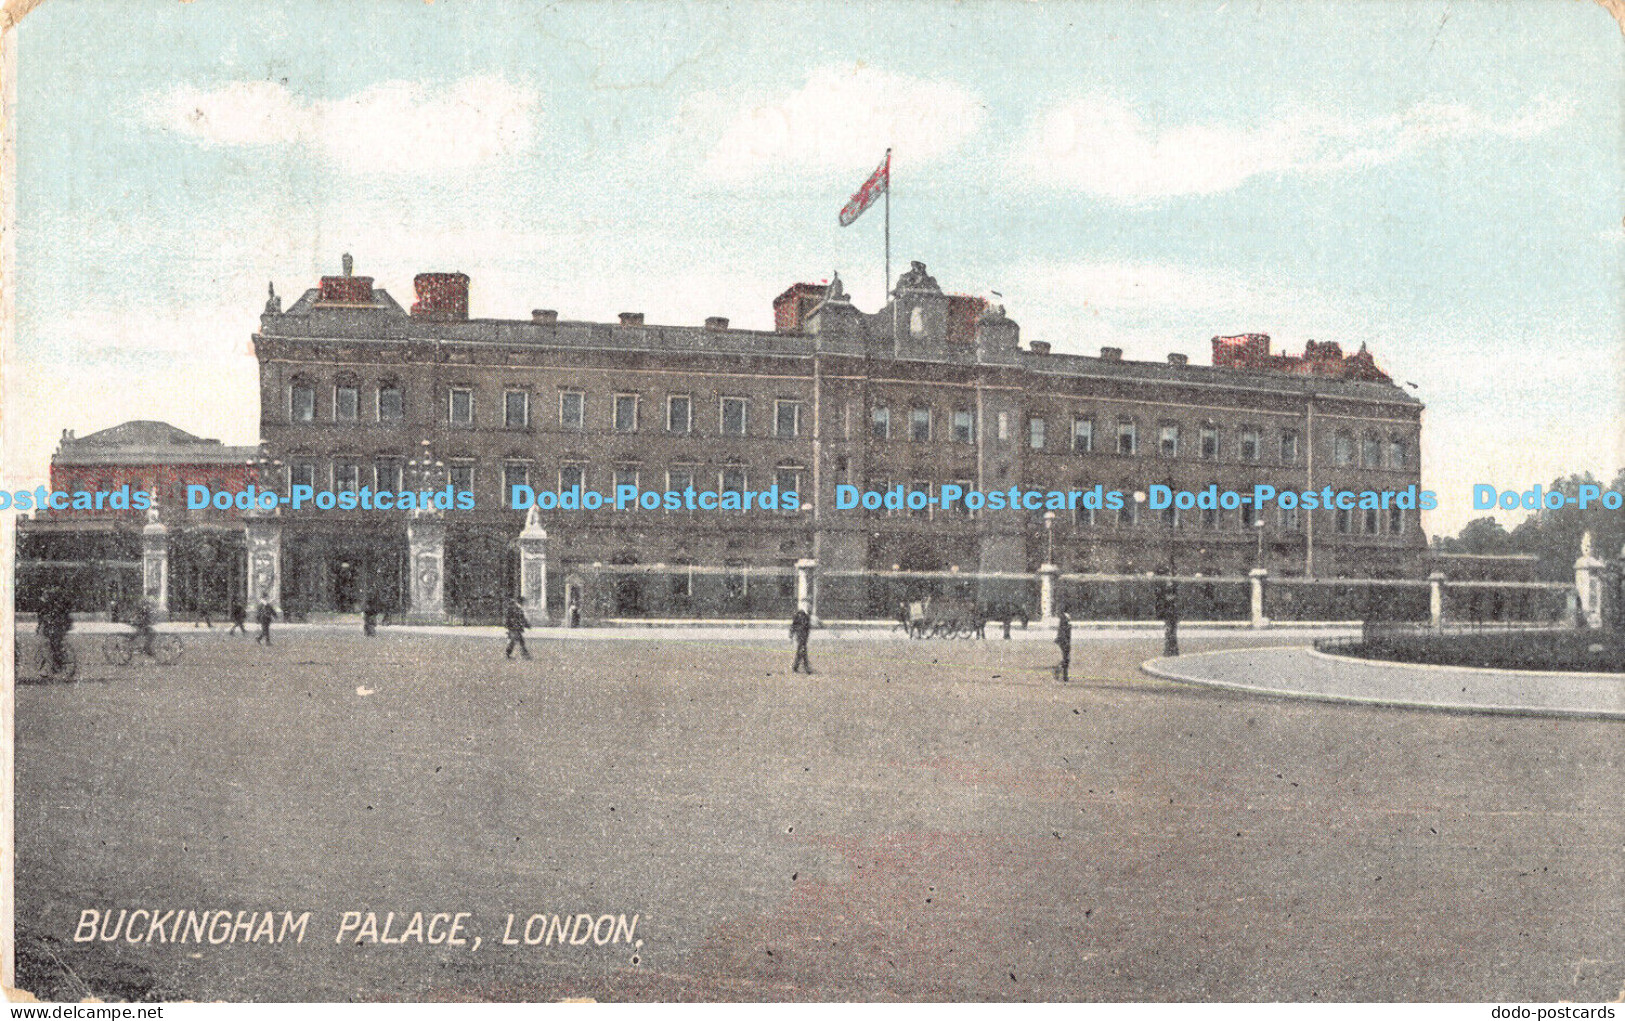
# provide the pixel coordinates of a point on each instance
(1552, 534)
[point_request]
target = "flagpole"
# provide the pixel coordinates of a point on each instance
(885, 292)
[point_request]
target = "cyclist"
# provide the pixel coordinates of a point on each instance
(142, 622)
(55, 621)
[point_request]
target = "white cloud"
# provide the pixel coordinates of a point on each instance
(392, 127)
(1103, 146)
(842, 120)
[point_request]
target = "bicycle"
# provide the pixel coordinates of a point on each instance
(120, 649)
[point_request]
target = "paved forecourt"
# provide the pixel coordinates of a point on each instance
(918, 819)
(1304, 672)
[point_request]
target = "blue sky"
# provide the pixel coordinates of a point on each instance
(1438, 180)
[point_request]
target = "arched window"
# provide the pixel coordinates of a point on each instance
(1342, 450)
(1371, 450)
(1398, 452)
(302, 400)
(1249, 443)
(391, 403)
(346, 399)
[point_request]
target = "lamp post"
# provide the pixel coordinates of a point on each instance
(425, 470)
(262, 569)
(263, 467)
(1048, 573)
(1259, 526)
(426, 542)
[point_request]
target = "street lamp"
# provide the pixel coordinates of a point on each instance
(1049, 537)
(425, 471)
(265, 471)
(1259, 525)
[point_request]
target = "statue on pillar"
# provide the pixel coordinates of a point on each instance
(426, 546)
(533, 566)
(263, 532)
(1589, 585)
(426, 539)
(155, 563)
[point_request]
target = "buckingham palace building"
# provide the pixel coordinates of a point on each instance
(358, 393)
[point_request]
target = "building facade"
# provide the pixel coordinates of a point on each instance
(95, 555)
(936, 388)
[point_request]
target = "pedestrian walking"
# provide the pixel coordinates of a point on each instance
(239, 617)
(800, 631)
(54, 622)
(369, 616)
(1063, 638)
(263, 616)
(516, 623)
(142, 622)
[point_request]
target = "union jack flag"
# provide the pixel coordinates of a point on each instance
(877, 185)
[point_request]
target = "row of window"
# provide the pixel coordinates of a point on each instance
(1369, 521)
(388, 474)
(388, 405)
(1249, 443)
(1369, 450)
(626, 412)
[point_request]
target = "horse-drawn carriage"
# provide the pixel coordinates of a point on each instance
(945, 618)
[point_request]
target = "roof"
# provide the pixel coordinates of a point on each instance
(1210, 375)
(147, 442)
(387, 322)
(311, 301)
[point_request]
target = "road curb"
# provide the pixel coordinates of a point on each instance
(1157, 668)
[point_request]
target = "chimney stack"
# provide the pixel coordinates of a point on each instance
(1039, 347)
(346, 289)
(442, 297)
(631, 318)
(716, 323)
(1111, 354)
(1178, 359)
(544, 316)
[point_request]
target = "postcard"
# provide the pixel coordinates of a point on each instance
(801, 501)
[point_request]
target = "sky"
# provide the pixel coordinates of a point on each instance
(1439, 181)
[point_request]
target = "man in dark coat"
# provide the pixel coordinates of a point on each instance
(142, 622)
(55, 621)
(515, 622)
(1063, 638)
(263, 616)
(239, 617)
(800, 631)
